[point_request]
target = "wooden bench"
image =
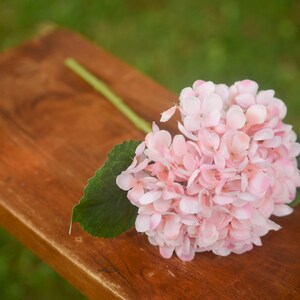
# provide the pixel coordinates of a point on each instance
(55, 131)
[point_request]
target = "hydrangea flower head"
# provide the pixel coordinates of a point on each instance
(215, 185)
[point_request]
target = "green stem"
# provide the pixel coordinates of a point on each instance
(103, 89)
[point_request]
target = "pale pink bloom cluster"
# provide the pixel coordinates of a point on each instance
(215, 185)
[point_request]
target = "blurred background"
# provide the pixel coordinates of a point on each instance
(172, 41)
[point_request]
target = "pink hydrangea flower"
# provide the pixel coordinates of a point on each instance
(214, 186)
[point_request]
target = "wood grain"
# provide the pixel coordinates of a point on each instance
(55, 131)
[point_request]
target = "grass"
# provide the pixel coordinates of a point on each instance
(24, 276)
(174, 42)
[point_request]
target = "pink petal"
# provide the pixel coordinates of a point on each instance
(140, 149)
(186, 92)
(193, 177)
(192, 123)
(235, 117)
(209, 234)
(166, 252)
(205, 205)
(242, 213)
(258, 219)
(197, 83)
(172, 227)
(155, 240)
(208, 175)
(243, 164)
(252, 149)
(125, 181)
(212, 119)
(179, 145)
(154, 221)
(240, 234)
(142, 223)
(272, 225)
(132, 165)
(280, 191)
(219, 161)
(281, 107)
(281, 210)
(265, 97)
(149, 139)
(211, 139)
(140, 166)
(191, 105)
(189, 205)
(222, 91)
(256, 114)
(162, 205)
(167, 115)
(185, 247)
(168, 195)
(256, 240)
(222, 251)
(259, 184)
(273, 143)
(205, 88)
(264, 134)
(186, 132)
(189, 162)
(135, 193)
(210, 103)
(155, 128)
(244, 182)
(150, 197)
(243, 249)
(240, 224)
(247, 86)
(245, 100)
(146, 210)
(189, 256)
(223, 199)
(240, 142)
(220, 216)
(273, 123)
(161, 139)
(295, 150)
(267, 207)
(190, 220)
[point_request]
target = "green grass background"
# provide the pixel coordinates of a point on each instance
(174, 42)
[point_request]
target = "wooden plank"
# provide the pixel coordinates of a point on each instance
(55, 131)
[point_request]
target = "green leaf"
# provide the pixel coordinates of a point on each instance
(104, 210)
